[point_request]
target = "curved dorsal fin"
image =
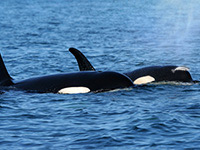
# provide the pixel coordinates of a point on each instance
(83, 63)
(5, 79)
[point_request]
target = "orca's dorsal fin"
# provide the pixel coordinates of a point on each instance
(83, 63)
(5, 79)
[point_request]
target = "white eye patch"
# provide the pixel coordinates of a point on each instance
(144, 80)
(180, 69)
(74, 90)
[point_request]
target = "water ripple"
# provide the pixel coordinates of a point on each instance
(114, 35)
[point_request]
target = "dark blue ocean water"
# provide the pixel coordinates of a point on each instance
(115, 35)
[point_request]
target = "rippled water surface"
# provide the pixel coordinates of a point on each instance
(114, 35)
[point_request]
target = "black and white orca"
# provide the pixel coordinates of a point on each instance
(160, 74)
(77, 82)
(143, 75)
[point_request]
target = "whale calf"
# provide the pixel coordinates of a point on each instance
(143, 75)
(68, 83)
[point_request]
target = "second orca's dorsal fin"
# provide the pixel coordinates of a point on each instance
(83, 62)
(5, 79)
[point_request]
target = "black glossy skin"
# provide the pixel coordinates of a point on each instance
(5, 79)
(161, 73)
(95, 81)
(83, 63)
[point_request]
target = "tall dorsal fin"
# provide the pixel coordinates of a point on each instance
(83, 63)
(5, 79)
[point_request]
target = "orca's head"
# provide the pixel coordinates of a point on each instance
(181, 74)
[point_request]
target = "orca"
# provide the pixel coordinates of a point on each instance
(68, 83)
(143, 75)
(160, 74)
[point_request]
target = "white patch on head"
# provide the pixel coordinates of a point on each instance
(182, 68)
(144, 80)
(74, 90)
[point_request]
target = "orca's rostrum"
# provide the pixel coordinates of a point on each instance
(77, 82)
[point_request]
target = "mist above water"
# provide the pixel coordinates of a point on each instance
(178, 21)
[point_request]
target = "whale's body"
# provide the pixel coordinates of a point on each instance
(143, 75)
(77, 82)
(89, 81)
(160, 74)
